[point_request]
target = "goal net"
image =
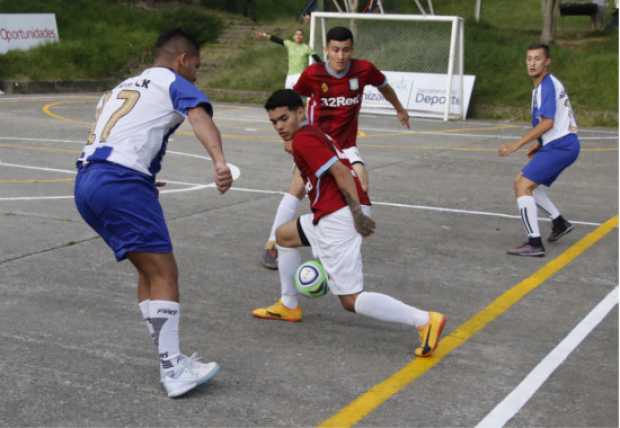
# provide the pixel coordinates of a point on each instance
(421, 55)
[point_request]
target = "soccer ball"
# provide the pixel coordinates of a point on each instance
(311, 279)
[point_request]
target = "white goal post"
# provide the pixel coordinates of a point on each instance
(407, 48)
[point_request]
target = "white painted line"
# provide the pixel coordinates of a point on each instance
(35, 198)
(426, 207)
(236, 173)
(38, 168)
(511, 405)
(484, 213)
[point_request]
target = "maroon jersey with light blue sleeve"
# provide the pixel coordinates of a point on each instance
(315, 153)
(336, 98)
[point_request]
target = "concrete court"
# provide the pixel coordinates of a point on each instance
(74, 352)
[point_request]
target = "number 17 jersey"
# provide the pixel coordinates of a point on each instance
(135, 119)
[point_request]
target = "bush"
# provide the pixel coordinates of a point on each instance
(99, 39)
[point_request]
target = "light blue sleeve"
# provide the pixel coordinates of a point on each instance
(185, 96)
(547, 98)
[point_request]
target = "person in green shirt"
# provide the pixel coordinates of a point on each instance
(298, 53)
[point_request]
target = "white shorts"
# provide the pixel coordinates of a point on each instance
(338, 246)
(353, 154)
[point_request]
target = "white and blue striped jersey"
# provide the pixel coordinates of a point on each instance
(550, 100)
(135, 119)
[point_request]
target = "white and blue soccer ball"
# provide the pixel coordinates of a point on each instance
(311, 279)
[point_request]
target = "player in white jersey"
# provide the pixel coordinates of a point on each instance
(557, 147)
(116, 194)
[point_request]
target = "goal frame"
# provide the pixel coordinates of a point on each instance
(317, 19)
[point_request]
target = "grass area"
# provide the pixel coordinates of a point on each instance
(585, 60)
(110, 39)
(98, 39)
(258, 65)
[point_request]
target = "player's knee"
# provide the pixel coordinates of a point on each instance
(284, 237)
(523, 186)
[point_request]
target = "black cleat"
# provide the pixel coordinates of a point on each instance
(560, 230)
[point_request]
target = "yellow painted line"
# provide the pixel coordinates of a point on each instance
(486, 128)
(36, 180)
(39, 149)
(47, 109)
(362, 406)
(264, 139)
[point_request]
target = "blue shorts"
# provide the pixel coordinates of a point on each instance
(552, 159)
(121, 205)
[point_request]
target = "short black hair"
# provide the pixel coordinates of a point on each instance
(284, 98)
(181, 39)
(542, 46)
(339, 34)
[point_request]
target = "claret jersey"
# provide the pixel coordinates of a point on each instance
(336, 98)
(314, 153)
(135, 119)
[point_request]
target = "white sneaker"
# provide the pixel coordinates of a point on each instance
(188, 373)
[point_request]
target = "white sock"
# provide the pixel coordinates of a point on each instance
(144, 310)
(529, 215)
(289, 260)
(165, 317)
(543, 201)
(285, 213)
(385, 308)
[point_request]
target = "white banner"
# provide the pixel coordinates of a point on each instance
(24, 31)
(420, 93)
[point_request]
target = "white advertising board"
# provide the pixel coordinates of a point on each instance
(24, 31)
(420, 93)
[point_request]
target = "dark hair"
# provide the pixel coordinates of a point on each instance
(182, 40)
(542, 46)
(339, 34)
(284, 98)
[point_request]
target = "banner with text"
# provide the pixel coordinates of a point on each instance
(24, 31)
(422, 94)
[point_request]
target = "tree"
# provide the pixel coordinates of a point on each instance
(350, 6)
(550, 12)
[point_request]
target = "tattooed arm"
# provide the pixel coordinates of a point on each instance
(363, 224)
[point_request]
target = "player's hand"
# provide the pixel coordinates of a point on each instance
(288, 146)
(403, 118)
(261, 35)
(506, 149)
(531, 152)
(223, 177)
(364, 225)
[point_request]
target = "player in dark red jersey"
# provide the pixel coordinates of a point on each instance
(334, 230)
(336, 90)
